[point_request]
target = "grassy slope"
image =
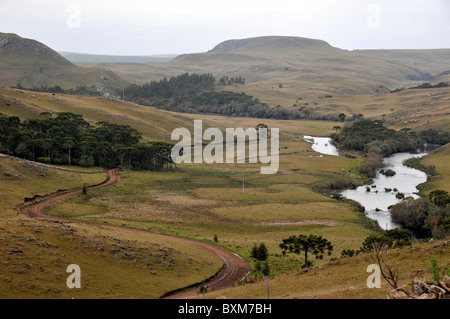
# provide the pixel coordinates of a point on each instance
(39, 271)
(154, 124)
(345, 278)
(440, 159)
(36, 65)
(181, 203)
(416, 109)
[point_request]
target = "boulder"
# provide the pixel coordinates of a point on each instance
(437, 290)
(446, 280)
(444, 286)
(419, 287)
(399, 295)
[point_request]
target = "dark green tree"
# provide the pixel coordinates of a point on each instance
(316, 245)
(259, 252)
(439, 197)
(395, 238)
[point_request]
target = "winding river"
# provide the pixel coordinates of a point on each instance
(322, 145)
(382, 193)
(377, 197)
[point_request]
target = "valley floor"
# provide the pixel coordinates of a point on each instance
(230, 206)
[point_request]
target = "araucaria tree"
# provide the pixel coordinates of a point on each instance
(316, 245)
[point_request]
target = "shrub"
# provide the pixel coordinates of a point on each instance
(348, 253)
(435, 271)
(422, 217)
(341, 184)
(395, 238)
(259, 253)
(388, 172)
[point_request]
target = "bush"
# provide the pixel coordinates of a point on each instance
(348, 253)
(400, 195)
(259, 253)
(435, 271)
(395, 238)
(342, 184)
(422, 217)
(388, 172)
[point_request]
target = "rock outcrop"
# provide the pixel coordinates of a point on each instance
(423, 290)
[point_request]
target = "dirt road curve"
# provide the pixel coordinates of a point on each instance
(235, 267)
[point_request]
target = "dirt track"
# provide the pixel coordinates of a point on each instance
(235, 267)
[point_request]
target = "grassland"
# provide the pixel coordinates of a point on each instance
(34, 254)
(417, 109)
(441, 160)
(199, 202)
(344, 278)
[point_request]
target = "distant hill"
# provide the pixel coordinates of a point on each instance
(284, 45)
(84, 58)
(33, 64)
(279, 69)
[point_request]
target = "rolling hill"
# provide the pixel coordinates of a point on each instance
(303, 67)
(277, 69)
(84, 58)
(33, 64)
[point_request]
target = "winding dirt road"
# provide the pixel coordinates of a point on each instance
(235, 267)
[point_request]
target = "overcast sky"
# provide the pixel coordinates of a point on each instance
(138, 27)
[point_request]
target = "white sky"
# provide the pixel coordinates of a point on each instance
(139, 27)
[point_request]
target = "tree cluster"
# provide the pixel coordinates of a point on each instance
(435, 136)
(81, 89)
(394, 238)
(366, 134)
(184, 84)
(195, 93)
(428, 217)
(68, 139)
(225, 80)
(427, 85)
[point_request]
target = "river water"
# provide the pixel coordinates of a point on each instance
(322, 145)
(377, 200)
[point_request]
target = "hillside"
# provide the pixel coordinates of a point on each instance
(33, 64)
(277, 70)
(116, 263)
(154, 124)
(84, 58)
(303, 67)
